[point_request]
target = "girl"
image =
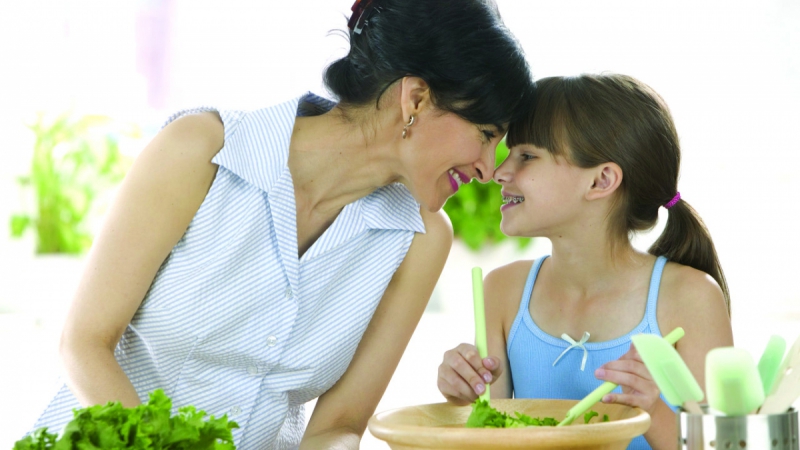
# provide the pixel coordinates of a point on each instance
(254, 261)
(593, 161)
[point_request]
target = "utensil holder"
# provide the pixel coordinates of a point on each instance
(754, 431)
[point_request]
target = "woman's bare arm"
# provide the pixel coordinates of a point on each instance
(341, 414)
(154, 206)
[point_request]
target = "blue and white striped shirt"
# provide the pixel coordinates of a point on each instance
(234, 323)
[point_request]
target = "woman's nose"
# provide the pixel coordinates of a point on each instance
(484, 167)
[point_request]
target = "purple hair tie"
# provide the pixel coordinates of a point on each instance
(674, 200)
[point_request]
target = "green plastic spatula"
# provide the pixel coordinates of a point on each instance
(480, 319)
(733, 386)
(770, 362)
(786, 387)
(598, 394)
(669, 371)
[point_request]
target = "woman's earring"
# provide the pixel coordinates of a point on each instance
(405, 128)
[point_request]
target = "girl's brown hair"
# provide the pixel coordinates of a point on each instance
(596, 119)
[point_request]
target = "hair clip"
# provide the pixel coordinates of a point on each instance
(359, 9)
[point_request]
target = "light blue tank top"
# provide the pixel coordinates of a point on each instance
(531, 352)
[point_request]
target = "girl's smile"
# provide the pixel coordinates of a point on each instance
(510, 200)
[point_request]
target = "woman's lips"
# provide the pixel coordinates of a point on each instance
(464, 178)
(453, 182)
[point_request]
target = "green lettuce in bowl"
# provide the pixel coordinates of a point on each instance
(484, 416)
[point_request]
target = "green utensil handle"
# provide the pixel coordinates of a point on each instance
(605, 388)
(480, 319)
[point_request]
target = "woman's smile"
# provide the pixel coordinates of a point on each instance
(457, 178)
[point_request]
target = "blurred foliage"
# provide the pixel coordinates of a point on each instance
(75, 159)
(475, 211)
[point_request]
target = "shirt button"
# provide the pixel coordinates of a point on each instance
(252, 370)
(288, 292)
(235, 411)
(271, 341)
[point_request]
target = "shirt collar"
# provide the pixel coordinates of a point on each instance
(269, 130)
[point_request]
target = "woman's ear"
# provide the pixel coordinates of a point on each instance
(607, 178)
(415, 95)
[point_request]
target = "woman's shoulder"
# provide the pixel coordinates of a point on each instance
(200, 131)
(438, 236)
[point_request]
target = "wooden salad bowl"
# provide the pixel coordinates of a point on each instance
(441, 426)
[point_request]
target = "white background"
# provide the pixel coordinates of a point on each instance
(729, 70)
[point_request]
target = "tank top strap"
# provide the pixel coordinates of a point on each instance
(526, 298)
(652, 294)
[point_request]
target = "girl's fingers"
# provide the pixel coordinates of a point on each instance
(635, 401)
(493, 364)
(630, 366)
(453, 387)
(621, 378)
(462, 373)
(471, 355)
(638, 388)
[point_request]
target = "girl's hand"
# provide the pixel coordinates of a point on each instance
(638, 388)
(463, 376)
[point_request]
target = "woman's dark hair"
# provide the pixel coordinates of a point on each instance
(596, 119)
(473, 65)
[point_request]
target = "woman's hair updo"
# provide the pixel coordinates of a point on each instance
(474, 66)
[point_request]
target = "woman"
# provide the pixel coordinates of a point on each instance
(254, 261)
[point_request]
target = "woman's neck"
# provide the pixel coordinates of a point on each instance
(334, 162)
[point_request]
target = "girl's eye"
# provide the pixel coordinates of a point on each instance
(528, 156)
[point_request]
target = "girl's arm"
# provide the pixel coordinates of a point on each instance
(462, 374)
(697, 304)
(151, 211)
(341, 414)
(690, 299)
(500, 289)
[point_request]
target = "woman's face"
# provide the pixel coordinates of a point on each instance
(541, 192)
(443, 151)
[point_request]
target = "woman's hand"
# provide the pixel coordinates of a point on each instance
(463, 376)
(638, 388)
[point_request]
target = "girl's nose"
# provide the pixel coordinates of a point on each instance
(502, 174)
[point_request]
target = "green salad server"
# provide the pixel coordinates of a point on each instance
(669, 371)
(480, 319)
(605, 388)
(770, 362)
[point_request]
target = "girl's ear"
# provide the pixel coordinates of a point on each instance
(607, 178)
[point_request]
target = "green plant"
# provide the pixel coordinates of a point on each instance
(74, 160)
(475, 211)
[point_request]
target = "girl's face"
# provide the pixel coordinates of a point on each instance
(542, 193)
(444, 151)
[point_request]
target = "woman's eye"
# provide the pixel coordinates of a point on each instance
(488, 134)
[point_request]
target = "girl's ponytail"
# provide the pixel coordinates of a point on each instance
(686, 240)
(595, 119)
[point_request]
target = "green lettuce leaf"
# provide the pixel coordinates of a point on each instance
(148, 426)
(484, 416)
